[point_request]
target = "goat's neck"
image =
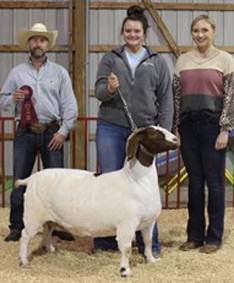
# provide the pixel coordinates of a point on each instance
(138, 172)
(144, 156)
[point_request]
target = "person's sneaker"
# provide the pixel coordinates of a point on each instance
(97, 249)
(63, 235)
(157, 254)
(190, 245)
(14, 235)
(210, 248)
(105, 244)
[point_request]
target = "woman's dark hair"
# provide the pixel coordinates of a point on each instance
(136, 13)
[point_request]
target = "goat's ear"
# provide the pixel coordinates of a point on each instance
(133, 142)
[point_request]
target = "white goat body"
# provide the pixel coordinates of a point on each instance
(92, 206)
(117, 203)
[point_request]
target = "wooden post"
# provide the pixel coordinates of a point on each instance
(163, 28)
(70, 43)
(79, 79)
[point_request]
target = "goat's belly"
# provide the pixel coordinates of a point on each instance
(87, 231)
(83, 226)
(87, 222)
(101, 217)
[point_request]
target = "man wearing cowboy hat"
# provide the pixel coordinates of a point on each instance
(45, 110)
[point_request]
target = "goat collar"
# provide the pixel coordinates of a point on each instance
(146, 151)
(144, 156)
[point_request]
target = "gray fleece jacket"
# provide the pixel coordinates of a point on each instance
(148, 94)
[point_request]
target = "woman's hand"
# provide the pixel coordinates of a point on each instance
(112, 83)
(222, 140)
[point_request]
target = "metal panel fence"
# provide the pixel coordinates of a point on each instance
(172, 174)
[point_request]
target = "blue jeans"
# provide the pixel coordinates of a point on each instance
(111, 142)
(204, 164)
(26, 146)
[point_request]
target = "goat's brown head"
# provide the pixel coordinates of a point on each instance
(153, 138)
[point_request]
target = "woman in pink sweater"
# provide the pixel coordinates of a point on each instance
(204, 113)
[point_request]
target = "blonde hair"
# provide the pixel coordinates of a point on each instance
(205, 18)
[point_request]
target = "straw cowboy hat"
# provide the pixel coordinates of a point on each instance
(37, 29)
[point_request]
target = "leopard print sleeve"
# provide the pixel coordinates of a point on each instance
(227, 116)
(176, 94)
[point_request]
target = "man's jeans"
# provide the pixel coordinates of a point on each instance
(111, 142)
(204, 164)
(26, 146)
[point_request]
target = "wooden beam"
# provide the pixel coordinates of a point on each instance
(7, 137)
(11, 137)
(111, 5)
(103, 48)
(164, 6)
(92, 137)
(16, 48)
(79, 44)
(70, 41)
(91, 93)
(194, 6)
(79, 79)
(33, 5)
(162, 27)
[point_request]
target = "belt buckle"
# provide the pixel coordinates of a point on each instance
(38, 128)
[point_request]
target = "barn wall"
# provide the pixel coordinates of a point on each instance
(103, 27)
(11, 20)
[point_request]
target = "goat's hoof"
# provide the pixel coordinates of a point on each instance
(23, 262)
(151, 259)
(125, 272)
(49, 248)
(52, 249)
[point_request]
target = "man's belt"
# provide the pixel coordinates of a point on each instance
(40, 128)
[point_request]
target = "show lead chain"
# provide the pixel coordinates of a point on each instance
(126, 110)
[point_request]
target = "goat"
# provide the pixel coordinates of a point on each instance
(117, 203)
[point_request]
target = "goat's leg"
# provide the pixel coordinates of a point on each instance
(125, 235)
(27, 235)
(46, 243)
(147, 238)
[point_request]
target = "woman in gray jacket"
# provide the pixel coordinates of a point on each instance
(142, 78)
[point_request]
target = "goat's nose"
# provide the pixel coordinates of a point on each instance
(175, 140)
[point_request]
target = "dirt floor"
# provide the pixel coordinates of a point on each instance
(74, 262)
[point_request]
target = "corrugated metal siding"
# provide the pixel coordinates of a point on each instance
(105, 25)
(15, 19)
(104, 28)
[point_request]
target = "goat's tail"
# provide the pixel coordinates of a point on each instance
(21, 182)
